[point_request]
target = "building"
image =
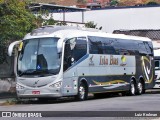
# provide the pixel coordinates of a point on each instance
(97, 3)
(117, 18)
(152, 33)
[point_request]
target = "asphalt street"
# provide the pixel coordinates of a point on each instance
(108, 107)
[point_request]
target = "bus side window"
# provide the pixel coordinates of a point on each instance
(75, 49)
(67, 56)
(149, 48)
(80, 49)
(101, 45)
(142, 48)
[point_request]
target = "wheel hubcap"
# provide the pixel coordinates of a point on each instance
(81, 92)
(140, 87)
(132, 89)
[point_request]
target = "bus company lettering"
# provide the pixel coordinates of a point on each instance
(113, 61)
(104, 60)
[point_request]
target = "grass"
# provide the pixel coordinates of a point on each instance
(12, 101)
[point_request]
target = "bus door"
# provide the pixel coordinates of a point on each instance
(75, 49)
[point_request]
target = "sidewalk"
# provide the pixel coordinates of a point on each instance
(3, 100)
(153, 91)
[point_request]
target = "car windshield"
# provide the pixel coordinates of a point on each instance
(39, 57)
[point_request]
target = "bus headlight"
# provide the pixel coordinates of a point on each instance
(56, 85)
(18, 86)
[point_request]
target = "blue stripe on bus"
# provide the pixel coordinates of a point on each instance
(79, 61)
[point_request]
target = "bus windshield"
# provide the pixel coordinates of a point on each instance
(39, 57)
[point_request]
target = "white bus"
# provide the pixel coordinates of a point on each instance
(156, 47)
(157, 71)
(56, 61)
(157, 63)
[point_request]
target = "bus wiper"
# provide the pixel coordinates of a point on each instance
(29, 71)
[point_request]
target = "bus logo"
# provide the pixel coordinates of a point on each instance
(91, 61)
(147, 68)
(123, 60)
(36, 83)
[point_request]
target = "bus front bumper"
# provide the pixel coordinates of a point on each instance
(39, 93)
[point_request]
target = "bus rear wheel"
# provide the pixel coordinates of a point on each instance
(140, 87)
(132, 90)
(82, 92)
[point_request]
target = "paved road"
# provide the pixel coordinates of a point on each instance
(138, 104)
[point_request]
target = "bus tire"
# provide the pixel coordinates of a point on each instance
(82, 92)
(140, 87)
(132, 89)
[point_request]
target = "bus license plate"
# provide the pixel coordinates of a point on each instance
(36, 92)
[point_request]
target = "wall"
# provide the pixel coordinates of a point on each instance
(116, 19)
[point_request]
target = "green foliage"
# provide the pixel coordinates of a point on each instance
(15, 22)
(152, 3)
(114, 3)
(90, 24)
(39, 20)
(50, 21)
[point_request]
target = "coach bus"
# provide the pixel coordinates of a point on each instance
(157, 67)
(56, 61)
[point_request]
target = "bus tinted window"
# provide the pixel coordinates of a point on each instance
(75, 48)
(80, 48)
(141, 48)
(126, 47)
(149, 48)
(101, 45)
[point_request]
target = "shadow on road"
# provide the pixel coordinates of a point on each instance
(91, 97)
(65, 99)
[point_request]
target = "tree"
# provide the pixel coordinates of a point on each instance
(50, 21)
(90, 24)
(15, 22)
(152, 3)
(113, 3)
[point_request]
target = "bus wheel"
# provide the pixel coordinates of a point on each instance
(140, 87)
(132, 90)
(82, 92)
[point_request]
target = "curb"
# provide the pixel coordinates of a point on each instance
(153, 91)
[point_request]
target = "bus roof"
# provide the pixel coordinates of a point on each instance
(65, 32)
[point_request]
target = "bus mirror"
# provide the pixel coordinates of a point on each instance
(12, 47)
(59, 46)
(59, 49)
